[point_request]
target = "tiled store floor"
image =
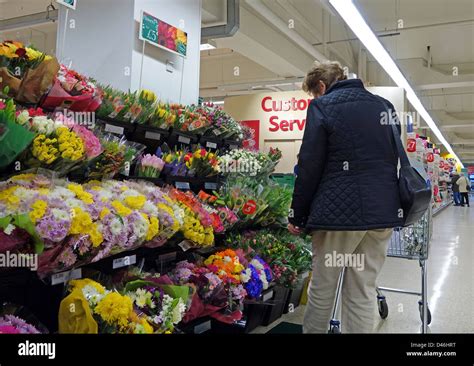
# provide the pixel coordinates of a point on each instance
(450, 281)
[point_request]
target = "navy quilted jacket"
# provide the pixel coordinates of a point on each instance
(347, 164)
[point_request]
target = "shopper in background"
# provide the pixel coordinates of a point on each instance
(455, 189)
(346, 194)
(464, 188)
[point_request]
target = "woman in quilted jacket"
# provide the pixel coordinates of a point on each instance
(346, 195)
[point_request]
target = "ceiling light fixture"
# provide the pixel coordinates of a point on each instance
(351, 15)
(206, 47)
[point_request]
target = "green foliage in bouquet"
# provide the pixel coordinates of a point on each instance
(289, 256)
(256, 203)
(14, 139)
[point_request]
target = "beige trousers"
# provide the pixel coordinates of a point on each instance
(363, 254)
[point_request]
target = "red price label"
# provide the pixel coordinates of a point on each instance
(430, 157)
(250, 207)
(411, 145)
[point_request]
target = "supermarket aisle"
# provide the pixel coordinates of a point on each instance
(450, 281)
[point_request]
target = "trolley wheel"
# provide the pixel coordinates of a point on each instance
(334, 327)
(428, 312)
(383, 307)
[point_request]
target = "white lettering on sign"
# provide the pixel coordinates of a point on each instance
(152, 135)
(124, 261)
(114, 129)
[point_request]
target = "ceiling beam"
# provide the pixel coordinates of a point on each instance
(454, 84)
(452, 127)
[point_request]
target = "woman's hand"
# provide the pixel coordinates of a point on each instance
(295, 230)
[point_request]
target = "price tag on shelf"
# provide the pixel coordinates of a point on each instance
(211, 145)
(168, 257)
(124, 261)
(203, 327)
(233, 147)
(66, 276)
(216, 132)
(152, 135)
(267, 296)
(182, 185)
(184, 139)
(210, 185)
(185, 245)
(114, 129)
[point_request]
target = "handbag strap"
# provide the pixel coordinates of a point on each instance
(404, 162)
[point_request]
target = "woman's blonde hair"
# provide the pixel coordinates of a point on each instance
(328, 72)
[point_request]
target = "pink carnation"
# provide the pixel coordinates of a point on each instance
(91, 142)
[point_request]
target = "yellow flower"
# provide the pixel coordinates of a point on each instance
(105, 211)
(39, 209)
(28, 176)
(152, 228)
(8, 195)
(135, 202)
(84, 196)
(120, 208)
(81, 222)
(115, 309)
(95, 235)
(147, 327)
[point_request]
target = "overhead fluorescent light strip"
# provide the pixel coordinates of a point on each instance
(351, 15)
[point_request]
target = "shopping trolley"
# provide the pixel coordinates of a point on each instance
(412, 243)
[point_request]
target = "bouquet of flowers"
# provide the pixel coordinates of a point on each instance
(165, 115)
(202, 163)
(197, 225)
(74, 89)
(228, 267)
(150, 166)
(287, 255)
(125, 107)
(222, 124)
(255, 203)
(162, 305)
(174, 161)
(192, 119)
(26, 72)
(90, 308)
(225, 217)
(60, 151)
(256, 277)
(118, 153)
(250, 163)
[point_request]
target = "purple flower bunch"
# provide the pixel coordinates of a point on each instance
(10, 324)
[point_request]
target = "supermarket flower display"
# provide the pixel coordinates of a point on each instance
(197, 162)
(76, 224)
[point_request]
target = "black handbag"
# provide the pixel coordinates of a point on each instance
(415, 191)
